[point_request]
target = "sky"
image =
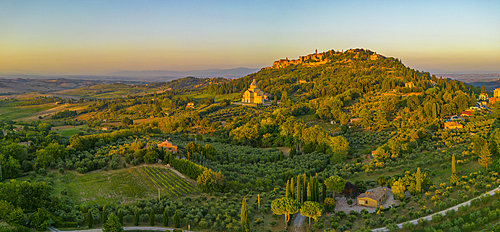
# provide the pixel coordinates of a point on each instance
(98, 37)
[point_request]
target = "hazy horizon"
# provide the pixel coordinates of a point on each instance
(95, 37)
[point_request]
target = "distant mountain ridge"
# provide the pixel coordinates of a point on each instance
(227, 73)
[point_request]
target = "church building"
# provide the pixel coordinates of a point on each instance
(254, 94)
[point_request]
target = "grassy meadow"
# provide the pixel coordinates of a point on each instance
(105, 187)
(17, 112)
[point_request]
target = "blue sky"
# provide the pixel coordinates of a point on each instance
(92, 37)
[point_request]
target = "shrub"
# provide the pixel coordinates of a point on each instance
(329, 204)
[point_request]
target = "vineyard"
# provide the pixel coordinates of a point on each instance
(169, 182)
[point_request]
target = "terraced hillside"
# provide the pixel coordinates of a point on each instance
(169, 183)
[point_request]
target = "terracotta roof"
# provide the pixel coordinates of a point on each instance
(166, 144)
(375, 194)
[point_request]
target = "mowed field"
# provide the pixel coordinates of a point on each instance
(310, 121)
(218, 98)
(68, 131)
(107, 91)
(17, 112)
(121, 185)
(105, 187)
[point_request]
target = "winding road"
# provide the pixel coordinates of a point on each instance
(429, 217)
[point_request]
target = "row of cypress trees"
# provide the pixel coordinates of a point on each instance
(306, 190)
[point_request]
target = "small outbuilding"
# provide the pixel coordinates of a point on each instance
(373, 197)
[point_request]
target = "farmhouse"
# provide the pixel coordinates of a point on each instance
(107, 128)
(254, 94)
(453, 125)
(168, 146)
(374, 197)
(190, 105)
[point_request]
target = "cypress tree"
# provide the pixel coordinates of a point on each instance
(314, 189)
(245, 224)
(418, 178)
(120, 216)
(323, 188)
(304, 189)
(299, 193)
(453, 169)
(177, 219)
(317, 188)
(292, 188)
(90, 220)
(104, 215)
(136, 218)
(287, 194)
(152, 218)
(309, 191)
(165, 217)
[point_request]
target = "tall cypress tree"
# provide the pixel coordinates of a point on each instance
(287, 193)
(292, 188)
(120, 216)
(309, 191)
(299, 193)
(245, 224)
(90, 220)
(165, 217)
(136, 218)
(323, 188)
(313, 188)
(152, 218)
(317, 188)
(177, 219)
(304, 189)
(104, 215)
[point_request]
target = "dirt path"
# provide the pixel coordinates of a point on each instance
(297, 223)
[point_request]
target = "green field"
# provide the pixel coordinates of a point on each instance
(68, 131)
(169, 183)
(227, 96)
(17, 112)
(218, 98)
(105, 187)
(310, 120)
(107, 91)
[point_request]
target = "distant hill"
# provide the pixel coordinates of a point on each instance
(490, 81)
(227, 73)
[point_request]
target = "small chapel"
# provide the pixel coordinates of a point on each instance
(254, 94)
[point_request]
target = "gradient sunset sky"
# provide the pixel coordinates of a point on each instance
(95, 37)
